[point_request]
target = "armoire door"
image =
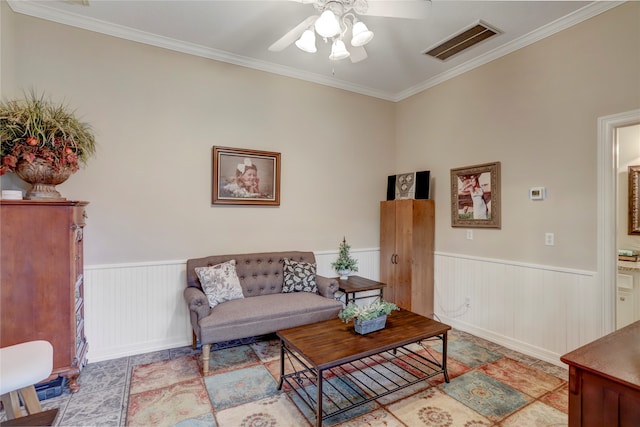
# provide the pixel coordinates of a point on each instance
(388, 248)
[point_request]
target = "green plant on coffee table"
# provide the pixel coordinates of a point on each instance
(345, 261)
(366, 312)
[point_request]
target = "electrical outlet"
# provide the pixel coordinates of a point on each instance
(469, 234)
(549, 239)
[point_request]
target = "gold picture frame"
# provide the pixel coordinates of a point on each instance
(245, 177)
(634, 200)
(475, 196)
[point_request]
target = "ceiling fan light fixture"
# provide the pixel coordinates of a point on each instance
(307, 42)
(361, 34)
(327, 25)
(338, 51)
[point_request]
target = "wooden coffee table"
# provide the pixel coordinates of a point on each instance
(333, 366)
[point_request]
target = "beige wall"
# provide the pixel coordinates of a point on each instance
(536, 112)
(628, 155)
(157, 113)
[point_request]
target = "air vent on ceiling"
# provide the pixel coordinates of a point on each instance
(461, 41)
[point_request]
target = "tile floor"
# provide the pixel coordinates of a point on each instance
(104, 393)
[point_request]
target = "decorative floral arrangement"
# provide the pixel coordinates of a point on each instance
(366, 312)
(36, 128)
(345, 261)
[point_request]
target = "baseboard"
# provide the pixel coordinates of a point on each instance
(132, 350)
(504, 341)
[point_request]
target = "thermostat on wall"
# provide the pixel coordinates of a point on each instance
(537, 193)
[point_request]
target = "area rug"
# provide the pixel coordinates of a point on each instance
(485, 388)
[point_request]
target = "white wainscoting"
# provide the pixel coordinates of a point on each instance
(538, 310)
(137, 308)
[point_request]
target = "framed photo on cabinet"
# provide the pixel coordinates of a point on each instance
(475, 196)
(245, 177)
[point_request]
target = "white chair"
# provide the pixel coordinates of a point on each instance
(22, 366)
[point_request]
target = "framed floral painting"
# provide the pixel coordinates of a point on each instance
(245, 177)
(475, 196)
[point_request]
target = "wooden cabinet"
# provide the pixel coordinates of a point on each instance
(604, 380)
(406, 253)
(42, 294)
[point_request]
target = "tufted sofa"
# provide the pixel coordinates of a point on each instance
(264, 308)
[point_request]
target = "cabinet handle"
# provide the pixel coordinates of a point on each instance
(623, 298)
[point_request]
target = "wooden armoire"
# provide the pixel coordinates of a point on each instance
(406, 253)
(42, 294)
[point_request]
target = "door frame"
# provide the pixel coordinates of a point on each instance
(607, 211)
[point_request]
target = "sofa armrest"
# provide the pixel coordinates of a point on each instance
(197, 302)
(327, 287)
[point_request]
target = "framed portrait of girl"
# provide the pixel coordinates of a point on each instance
(245, 177)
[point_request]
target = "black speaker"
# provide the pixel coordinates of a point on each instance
(413, 185)
(391, 187)
(422, 185)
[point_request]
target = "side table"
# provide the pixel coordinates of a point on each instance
(355, 284)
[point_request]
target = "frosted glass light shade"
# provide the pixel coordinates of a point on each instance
(338, 51)
(327, 25)
(361, 34)
(307, 42)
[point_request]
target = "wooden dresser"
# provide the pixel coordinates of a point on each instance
(604, 380)
(41, 268)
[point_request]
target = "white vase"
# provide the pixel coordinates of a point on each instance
(344, 274)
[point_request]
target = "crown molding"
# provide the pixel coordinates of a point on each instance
(41, 10)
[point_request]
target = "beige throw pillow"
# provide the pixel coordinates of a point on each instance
(220, 282)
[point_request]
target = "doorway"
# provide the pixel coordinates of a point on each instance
(607, 211)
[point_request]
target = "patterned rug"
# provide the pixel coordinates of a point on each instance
(488, 387)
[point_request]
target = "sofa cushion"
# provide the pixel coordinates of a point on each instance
(266, 314)
(299, 277)
(220, 282)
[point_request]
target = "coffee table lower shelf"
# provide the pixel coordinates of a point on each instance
(338, 389)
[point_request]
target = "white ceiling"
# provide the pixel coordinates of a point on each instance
(240, 32)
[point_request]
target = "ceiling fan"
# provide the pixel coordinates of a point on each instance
(338, 20)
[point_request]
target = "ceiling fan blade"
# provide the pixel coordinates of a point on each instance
(410, 9)
(292, 35)
(358, 53)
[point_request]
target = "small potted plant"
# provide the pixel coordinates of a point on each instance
(42, 142)
(367, 318)
(345, 264)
